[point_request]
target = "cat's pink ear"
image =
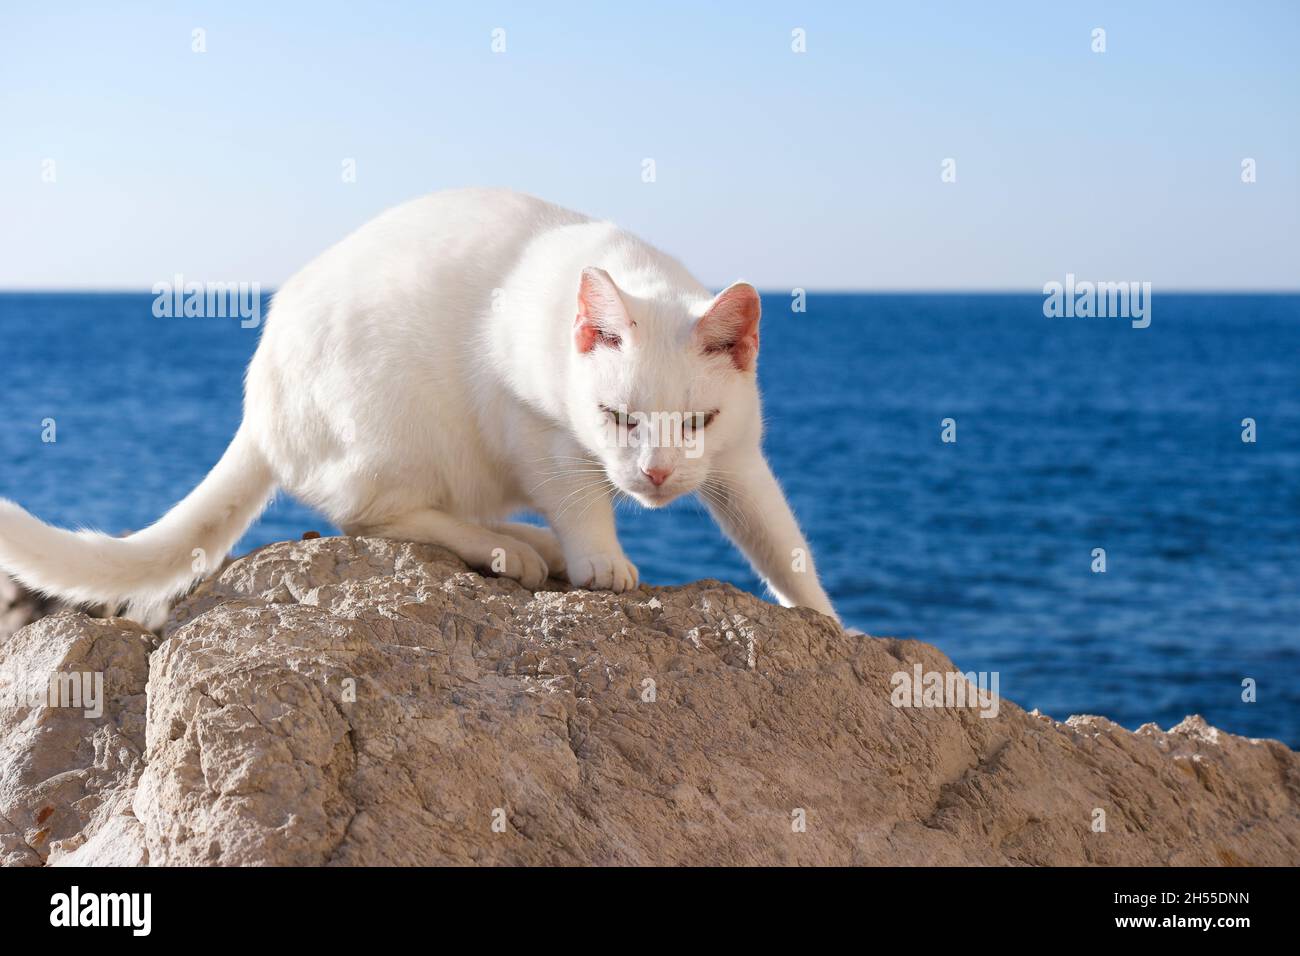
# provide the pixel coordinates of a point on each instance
(731, 325)
(602, 315)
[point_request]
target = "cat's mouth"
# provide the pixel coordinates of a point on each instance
(656, 498)
(651, 496)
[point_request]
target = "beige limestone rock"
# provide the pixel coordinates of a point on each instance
(359, 701)
(68, 773)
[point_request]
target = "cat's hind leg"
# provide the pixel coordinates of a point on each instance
(481, 548)
(543, 540)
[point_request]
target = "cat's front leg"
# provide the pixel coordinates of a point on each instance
(746, 501)
(580, 510)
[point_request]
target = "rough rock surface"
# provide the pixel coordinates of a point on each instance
(357, 701)
(68, 774)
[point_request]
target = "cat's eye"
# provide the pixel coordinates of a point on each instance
(699, 420)
(621, 418)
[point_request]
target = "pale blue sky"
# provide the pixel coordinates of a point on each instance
(819, 170)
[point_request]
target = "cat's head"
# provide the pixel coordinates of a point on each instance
(663, 383)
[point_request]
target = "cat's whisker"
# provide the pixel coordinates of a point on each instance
(552, 476)
(570, 502)
(574, 472)
(711, 496)
(724, 496)
(582, 505)
(593, 499)
(720, 503)
(562, 507)
(590, 461)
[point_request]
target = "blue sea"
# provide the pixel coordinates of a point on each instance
(1072, 435)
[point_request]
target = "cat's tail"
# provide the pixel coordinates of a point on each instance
(148, 569)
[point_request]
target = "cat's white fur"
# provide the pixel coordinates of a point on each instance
(445, 366)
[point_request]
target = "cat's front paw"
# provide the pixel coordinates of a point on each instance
(606, 571)
(521, 562)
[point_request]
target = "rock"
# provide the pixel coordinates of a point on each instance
(359, 701)
(72, 753)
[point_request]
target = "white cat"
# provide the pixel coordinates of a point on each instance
(464, 356)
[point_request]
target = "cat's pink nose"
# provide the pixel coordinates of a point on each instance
(657, 476)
